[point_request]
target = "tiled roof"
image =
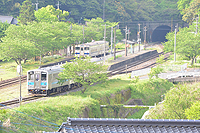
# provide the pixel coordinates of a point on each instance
(88, 125)
(8, 19)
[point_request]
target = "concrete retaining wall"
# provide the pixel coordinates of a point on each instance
(132, 60)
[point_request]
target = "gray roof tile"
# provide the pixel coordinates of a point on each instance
(88, 125)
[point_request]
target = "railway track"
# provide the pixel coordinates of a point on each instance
(148, 63)
(13, 81)
(16, 101)
(114, 72)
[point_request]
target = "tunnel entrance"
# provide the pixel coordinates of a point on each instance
(160, 32)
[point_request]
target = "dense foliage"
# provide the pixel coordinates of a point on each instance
(40, 38)
(187, 42)
(26, 13)
(84, 72)
(181, 102)
(3, 27)
(117, 11)
(189, 9)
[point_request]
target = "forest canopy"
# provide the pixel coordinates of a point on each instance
(115, 11)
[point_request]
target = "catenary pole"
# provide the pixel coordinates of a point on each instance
(126, 41)
(139, 37)
(111, 40)
(36, 5)
(145, 35)
(104, 10)
(114, 44)
(175, 43)
(83, 34)
(104, 43)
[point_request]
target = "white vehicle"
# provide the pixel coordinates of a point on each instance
(44, 81)
(94, 48)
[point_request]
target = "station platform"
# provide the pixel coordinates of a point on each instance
(130, 58)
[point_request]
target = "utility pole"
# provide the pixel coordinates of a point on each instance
(36, 5)
(111, 40)
(197, 24)
(104, 11)
(70, 52)
(145, 30)
(58, 7)
(175, 43)
(171, 24)
(104, 44)
(129, 33)
(114, 44)
(19, 71)
(126, 32)
(139, 36)
(83, 34)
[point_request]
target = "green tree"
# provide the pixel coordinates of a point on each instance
(26, 12)
(3, 27)
(192, 11)
(160, 60)
(187, 43)
(155, 71)
(95, 29)
(193, 113)
(60, 36)
(36, 39)
(83, 72)
(181, 102)
(50, 14)
(15, 45)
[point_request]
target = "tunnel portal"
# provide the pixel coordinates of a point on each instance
(160, 32)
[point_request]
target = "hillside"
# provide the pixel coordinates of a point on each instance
(115, 11)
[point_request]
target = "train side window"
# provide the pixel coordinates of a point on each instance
(77, 48)
(37, 76)
(30, 76)
(81, 49)
(44, 77)
(86, 48)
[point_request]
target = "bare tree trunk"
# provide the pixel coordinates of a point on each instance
(25, 61)
(192, 62)
(83, 90)
(16, 61)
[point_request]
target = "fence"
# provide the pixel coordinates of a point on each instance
(140, 72)
(175, 67)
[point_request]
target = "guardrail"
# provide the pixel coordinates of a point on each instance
(183, 74)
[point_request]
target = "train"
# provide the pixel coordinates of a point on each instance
(44, 81)
(94, 48)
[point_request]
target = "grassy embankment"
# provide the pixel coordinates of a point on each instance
(76, 104)
(8, 69)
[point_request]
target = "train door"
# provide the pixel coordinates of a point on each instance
(82, 50)
(77, 51)
(38, 80)
(30, 80)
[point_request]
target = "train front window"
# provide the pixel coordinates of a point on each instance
(44, 76)
(77, 48)
(81, 49)
(86, 48)
(31, 75)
